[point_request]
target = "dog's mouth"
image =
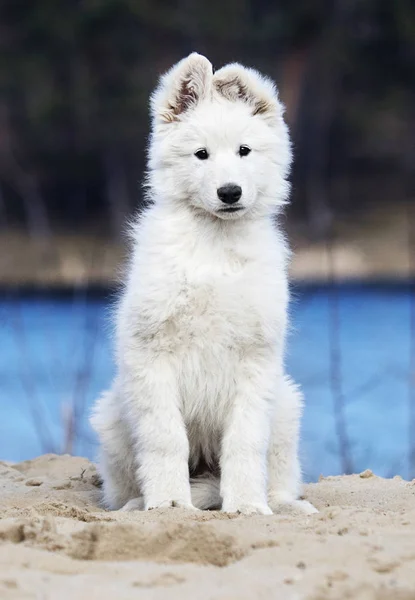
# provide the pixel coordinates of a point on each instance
(231, 209)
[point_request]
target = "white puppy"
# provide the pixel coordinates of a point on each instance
(201, 413)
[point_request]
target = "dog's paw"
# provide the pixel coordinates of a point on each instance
(282, 502)
(247, 509)
(170, 504)
(133, 504)
(306, 507)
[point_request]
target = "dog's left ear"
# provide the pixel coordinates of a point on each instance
(236, 82)
(183, 87)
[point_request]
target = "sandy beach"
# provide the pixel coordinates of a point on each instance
(56, 542)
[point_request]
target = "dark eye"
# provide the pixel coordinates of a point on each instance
(244, 150)
(202, 154)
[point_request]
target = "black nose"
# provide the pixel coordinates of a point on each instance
(230, 193)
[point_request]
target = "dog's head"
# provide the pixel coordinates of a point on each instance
(219, 140)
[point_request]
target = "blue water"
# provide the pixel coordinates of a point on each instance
(55, 352)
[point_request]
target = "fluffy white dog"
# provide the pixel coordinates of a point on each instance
(201, 413)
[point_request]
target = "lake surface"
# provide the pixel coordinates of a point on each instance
(349, 348)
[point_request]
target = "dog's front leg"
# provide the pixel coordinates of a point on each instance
(162, 447)
(244, 449)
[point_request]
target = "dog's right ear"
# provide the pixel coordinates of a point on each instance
(181, 88)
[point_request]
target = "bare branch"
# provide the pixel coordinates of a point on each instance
(336, 377)
(36, 410)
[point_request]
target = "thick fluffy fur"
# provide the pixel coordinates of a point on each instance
(201, 390)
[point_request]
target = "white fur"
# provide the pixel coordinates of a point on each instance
(202, 320)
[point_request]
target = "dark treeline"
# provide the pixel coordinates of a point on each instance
(75, 77)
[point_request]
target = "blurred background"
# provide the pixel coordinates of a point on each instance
(75, 77)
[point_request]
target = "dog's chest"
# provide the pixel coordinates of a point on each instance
(225, 304)
(220, 318)
(214, 314)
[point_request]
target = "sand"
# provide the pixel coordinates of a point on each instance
(57, 543)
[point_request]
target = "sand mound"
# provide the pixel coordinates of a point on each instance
(56, 542)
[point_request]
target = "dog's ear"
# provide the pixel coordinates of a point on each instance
(181, 88)
(236, 82)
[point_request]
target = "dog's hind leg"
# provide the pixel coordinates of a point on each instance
(284, 473)
(116, 464)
